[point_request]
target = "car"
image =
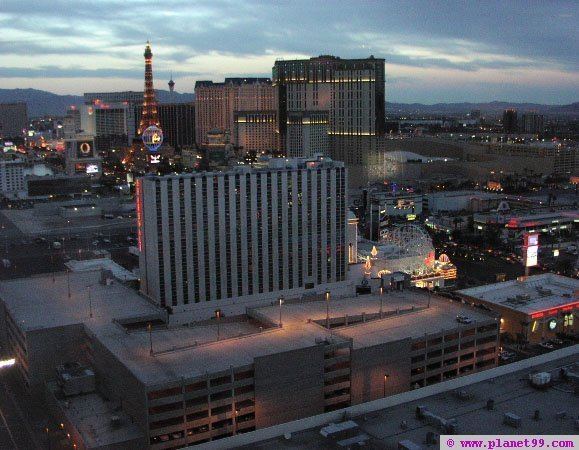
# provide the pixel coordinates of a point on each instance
(547, 345)
(463, 319)
(506, 355)
(557, 341)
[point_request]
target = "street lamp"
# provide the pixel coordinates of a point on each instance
(218, 317)
(280, 303)
(328, 310)
(90, 302)
(385, 380)
(150, 330)
(381, 300)
(68, 282)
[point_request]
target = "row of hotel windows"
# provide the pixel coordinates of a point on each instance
(337, 266)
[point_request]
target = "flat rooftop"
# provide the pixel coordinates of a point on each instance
(43, 302)
(191, 350)
(91, 416)
(534, 294)
(511, 393)
(406, 314)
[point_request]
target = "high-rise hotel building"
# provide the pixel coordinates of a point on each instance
(350, 91)
(217, 103)
(245, 233)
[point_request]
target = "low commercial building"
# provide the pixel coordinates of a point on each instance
(48, 186)
(184, 383)
(456, 201)
(532, 309)
(515, 224)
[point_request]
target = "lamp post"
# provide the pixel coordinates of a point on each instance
(218, 317)
(47, 431)
(68, 282)
(280, 303)
(150, 329)
(90, 302)
(328, 310)
(381, 300)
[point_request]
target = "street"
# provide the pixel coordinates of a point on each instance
(26, 256)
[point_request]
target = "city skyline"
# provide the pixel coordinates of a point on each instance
(435, 52)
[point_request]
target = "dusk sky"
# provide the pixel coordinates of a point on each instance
(435, 51)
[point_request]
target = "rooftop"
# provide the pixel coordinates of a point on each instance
(93, 417)
(43, 302)
(533, 294)
(511, 393)
(406, 314)
(190, 350)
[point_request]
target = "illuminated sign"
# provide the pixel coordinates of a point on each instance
(411, 216)
(84, 149)
(152, 138)
(154, 159)
(553, 311)
(530, 249)
(139, 209)
(552, 324)
(404, 204)
(92, 168)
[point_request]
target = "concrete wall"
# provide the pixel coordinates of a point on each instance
(117, 383)
(366, 408)
(289, 386)
(370, 365)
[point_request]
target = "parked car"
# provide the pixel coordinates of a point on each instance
(547, 345)
(463, 319)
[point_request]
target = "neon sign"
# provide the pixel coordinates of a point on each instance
(152, 138)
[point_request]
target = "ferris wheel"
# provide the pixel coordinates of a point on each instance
(408, 241)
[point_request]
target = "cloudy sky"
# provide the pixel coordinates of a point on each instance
(435, 51)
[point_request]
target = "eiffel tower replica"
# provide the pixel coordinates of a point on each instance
(139, 154)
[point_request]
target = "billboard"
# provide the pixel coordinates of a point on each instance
(92, 168)
(530, 249)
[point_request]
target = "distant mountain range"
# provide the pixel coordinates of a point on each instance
(486, 108)
(42, 103)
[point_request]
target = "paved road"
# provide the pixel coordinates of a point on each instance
(30, 257)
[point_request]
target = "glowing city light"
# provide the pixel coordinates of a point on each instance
(7, 362)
